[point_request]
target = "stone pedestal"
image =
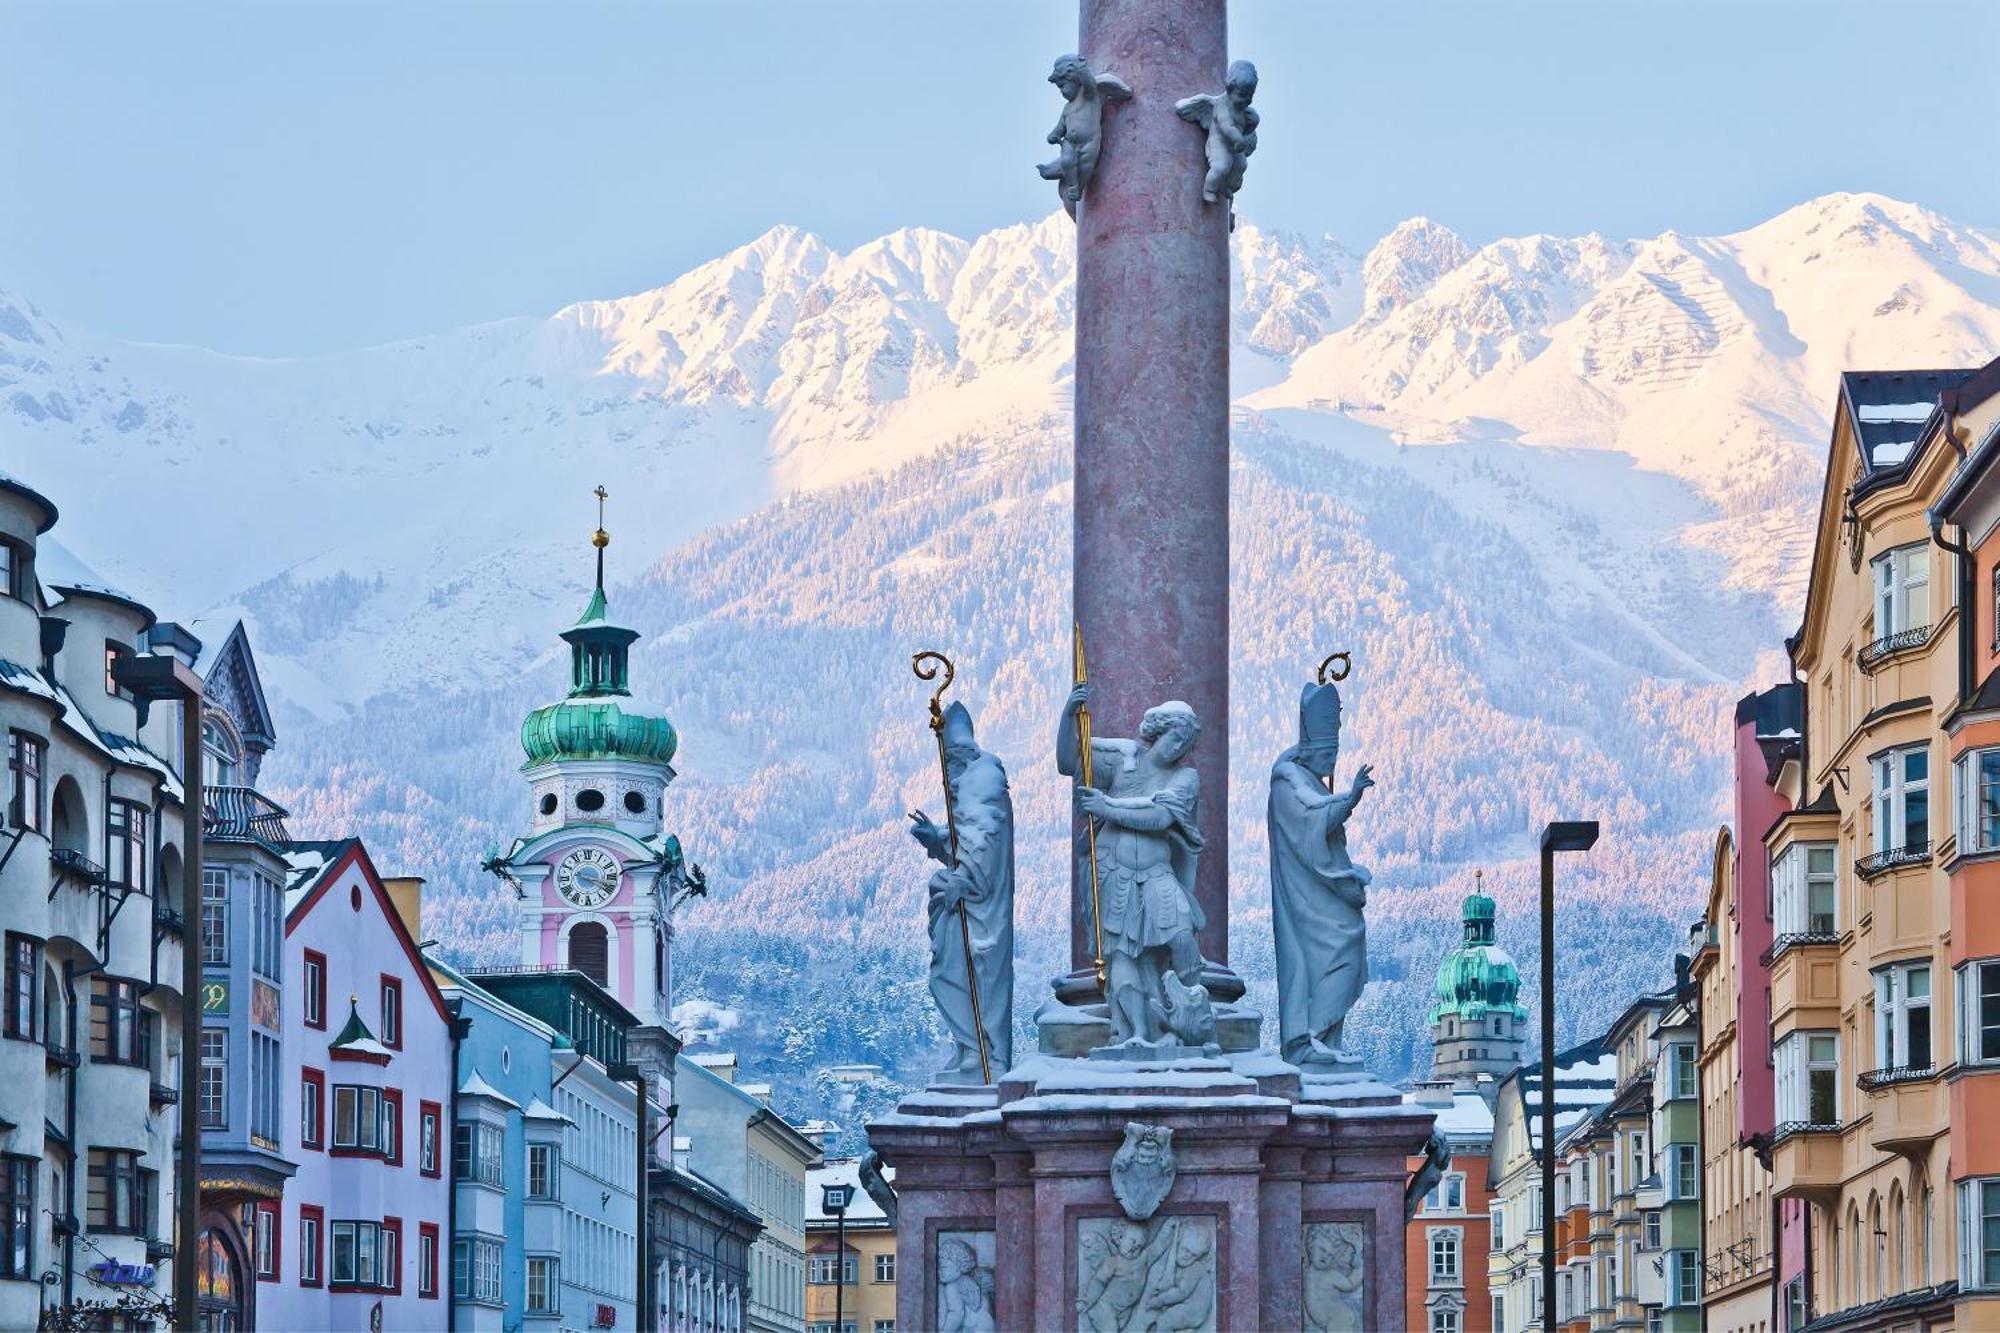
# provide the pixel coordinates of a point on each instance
(1285, 1211)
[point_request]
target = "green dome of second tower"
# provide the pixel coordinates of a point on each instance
(1478, 978)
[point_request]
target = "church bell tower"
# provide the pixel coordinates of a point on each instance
(1478, 1024)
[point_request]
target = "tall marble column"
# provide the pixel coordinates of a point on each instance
(1152, 413)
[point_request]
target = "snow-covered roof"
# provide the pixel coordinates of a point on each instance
(844, 1171)
(475, 1086)
(541, 1110)
(1468, 1116)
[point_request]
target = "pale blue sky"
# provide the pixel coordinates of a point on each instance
(274, 176)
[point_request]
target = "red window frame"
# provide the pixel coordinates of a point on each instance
(392, 1103)
(427, 1264)
(317, 1215)
(392, 1226)
(269, 1208)
(315, 995)
(391, 1033)
(434, 1113)
(312, 1083)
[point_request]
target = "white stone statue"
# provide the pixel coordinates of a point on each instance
(1146, 803)
(1333, 1295)
(983, 879)
(1231, 126)
(1079, 131)
(1316, 893)
(1143, 1169)
(964, 1287)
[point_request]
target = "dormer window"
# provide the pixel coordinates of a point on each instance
(221, 758)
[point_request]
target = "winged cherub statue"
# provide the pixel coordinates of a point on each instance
(1231, 124)
(1079, 132)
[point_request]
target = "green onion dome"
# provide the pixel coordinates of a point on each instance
(595, 728)
(1478, 977)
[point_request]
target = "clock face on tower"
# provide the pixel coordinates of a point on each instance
(588, 876)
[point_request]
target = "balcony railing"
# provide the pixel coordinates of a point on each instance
(243, 814)
(1890, 644)
(1796, 940)
(1791, 1129)
(164, 1095)
(1886, 1078)
(1881, 863)
(69, 861)
(167, 918)
(60, 1055)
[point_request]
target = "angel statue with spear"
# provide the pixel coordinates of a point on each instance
(971, 900)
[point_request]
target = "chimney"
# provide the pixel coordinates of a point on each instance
(407, 892)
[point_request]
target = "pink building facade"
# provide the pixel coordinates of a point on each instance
(363, 1230)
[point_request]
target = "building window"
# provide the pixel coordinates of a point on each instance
(265, 1250)
(885, 1268)
(313, 983)
(429, 1117)
(427, 1260)
(1979, 1012)
(311, 1223)
(213, 1089)
(125, 843)
(1976, 791)
(1808, 1078)
(266, 1068)
(356, 1257)
(1499, 1312)
(1979, 1234)
(1902, 800)
(1649, 1229)
(1496, 1228)
(361, 1120)
(1684, 1172)
(121, 1192)
(391, 1028)
(215, 916)
(269, 903)
(1448, 1195)
(392, 1125)
(1681, 1079)
(1684, 1277)
(476, 1265)
(1804, 886)
(476, 1149)
(14, 565)
(390, 1262)
(541, 1170)
(1444, 1319)
(544, 1284)
(117, 1034)
(1903, 1016)
(24, 978)
(1902, 589)
(1656, 1319)
(17, 1216)
(1444, 1254)
(312, 1108)
(1795, 1304)
(27, 762)
(113, 653)
(219, 755)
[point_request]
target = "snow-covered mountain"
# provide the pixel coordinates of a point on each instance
(1555, 491)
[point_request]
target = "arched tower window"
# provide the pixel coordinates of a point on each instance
(589, 951)
(221, 756)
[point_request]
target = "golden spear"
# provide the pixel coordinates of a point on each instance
(1089, 824)
(1327, 677)
(927, 666)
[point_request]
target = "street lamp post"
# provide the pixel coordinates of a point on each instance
(1560, 836)
(160, 678)
(834, 1200)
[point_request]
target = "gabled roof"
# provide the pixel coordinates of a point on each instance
(1893, 411)
(235, 667)
(319, 865)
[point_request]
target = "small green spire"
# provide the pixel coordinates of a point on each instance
(356, 1030)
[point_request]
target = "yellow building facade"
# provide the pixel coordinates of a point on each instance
(851, 1269)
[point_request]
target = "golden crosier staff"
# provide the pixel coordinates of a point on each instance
(927, 666)
(1328, 675)
(1089, 824)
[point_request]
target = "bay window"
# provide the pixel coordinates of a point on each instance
(362, 1120)
(27, 761)
(121, 1192)
(1903, 1016)
(1684, 1277)
(212, 1089)
(1683, 1171)
(355, 1258)
(476, 1152)
(1804, 890)
(1902, 800)
(117, 1036)
(476, 1270)
(125, 843)
(1808, 1078)
(544, 1284)
(1680, 1080)
(1979, 1234)
(24, 979)
(1976, 792)
(1978, 1010)
(1902, 590)
(215, 916)
(541, 1170)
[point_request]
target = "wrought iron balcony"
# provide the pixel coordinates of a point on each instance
(1796, 940)
(1886, 1078)
(1792, 1129)
(243, 814)
(1902, 641)
(60, 1055)
(68, 861)
(164, 1095)
(1881, 863)
(167, 919)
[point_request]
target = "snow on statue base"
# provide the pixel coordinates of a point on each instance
(1207, 1192)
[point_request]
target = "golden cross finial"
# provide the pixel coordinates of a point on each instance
(600, 538)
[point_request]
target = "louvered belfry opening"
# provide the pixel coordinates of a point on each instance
(589, 950)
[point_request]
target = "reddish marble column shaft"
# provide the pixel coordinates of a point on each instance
(1152, 412)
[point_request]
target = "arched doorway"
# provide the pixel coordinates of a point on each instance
(589, 951)
(218, 1286)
